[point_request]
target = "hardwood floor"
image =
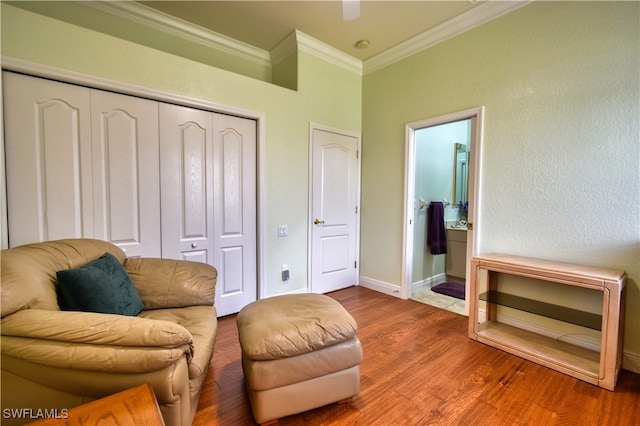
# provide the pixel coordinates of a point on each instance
(420, 368)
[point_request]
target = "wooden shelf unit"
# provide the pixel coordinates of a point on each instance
(601, 367)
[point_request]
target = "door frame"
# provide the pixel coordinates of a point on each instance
(358, 136)
(473, 241)
(73, 77)
(4, 214)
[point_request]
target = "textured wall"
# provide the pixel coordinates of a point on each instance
(560, 176)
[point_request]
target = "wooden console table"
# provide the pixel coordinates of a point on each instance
(135, 406)
(498, 286)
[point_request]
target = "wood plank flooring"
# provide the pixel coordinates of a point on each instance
(420, 368)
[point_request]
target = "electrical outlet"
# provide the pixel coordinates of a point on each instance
(283, 230)
(285, 273)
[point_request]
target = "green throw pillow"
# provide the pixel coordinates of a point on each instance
(102, 285)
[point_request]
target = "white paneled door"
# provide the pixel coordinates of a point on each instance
(186, 179)
(334, 209)
(125, 172)
(81, 163)
(48, 160)
(235, 212)
(156, 179)
(208, 190)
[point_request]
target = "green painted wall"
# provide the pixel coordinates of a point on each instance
(86, 15)
(560, 177)
(285, 73)
(326, 94)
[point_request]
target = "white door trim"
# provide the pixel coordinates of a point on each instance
(475, 162)
(59, 74)
(312, 128)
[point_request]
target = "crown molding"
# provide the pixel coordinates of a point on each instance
(160, 21)
(146, 16)
(330, 54)
(284, 49)
(475, 17)
(299, 41)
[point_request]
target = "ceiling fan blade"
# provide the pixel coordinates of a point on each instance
(350, 9)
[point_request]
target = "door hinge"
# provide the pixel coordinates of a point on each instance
(356, 209)
(355, 264)
(357, 153)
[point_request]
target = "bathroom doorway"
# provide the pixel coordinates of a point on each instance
(441, 176)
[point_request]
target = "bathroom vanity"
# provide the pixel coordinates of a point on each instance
(566, 317)
(456, 261)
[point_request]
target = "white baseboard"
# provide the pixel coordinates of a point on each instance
(381, 286)
(303, 290)
(631, 362)
(428, 282)
(396, 291)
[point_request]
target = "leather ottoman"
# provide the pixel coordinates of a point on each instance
(299, 352)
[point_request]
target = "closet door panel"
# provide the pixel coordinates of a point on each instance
(48, 160)
(126, 172)
(186, 181)
(235, 212)
(86, 163)
(232, 182)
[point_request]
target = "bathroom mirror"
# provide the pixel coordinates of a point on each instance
(460, 173)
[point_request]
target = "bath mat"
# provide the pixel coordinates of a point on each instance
(450, 289)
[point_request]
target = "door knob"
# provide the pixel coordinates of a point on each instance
(194, 245)
(318, 221)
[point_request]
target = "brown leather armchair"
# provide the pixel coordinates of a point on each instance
(60, 359)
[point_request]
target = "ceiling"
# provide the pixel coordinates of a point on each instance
(264, 24)
(257, 30)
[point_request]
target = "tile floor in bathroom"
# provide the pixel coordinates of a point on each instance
(425, 295)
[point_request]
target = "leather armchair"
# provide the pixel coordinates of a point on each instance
(60, 359)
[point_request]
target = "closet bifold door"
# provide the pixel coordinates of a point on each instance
(208, 193)
(125, 172)
(48, 160)
(186, 181)
(235, 212)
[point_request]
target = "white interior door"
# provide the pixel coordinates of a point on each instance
(235, 212)
(125, 172)
(186, 181)
(334, 209)
(48, 160)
